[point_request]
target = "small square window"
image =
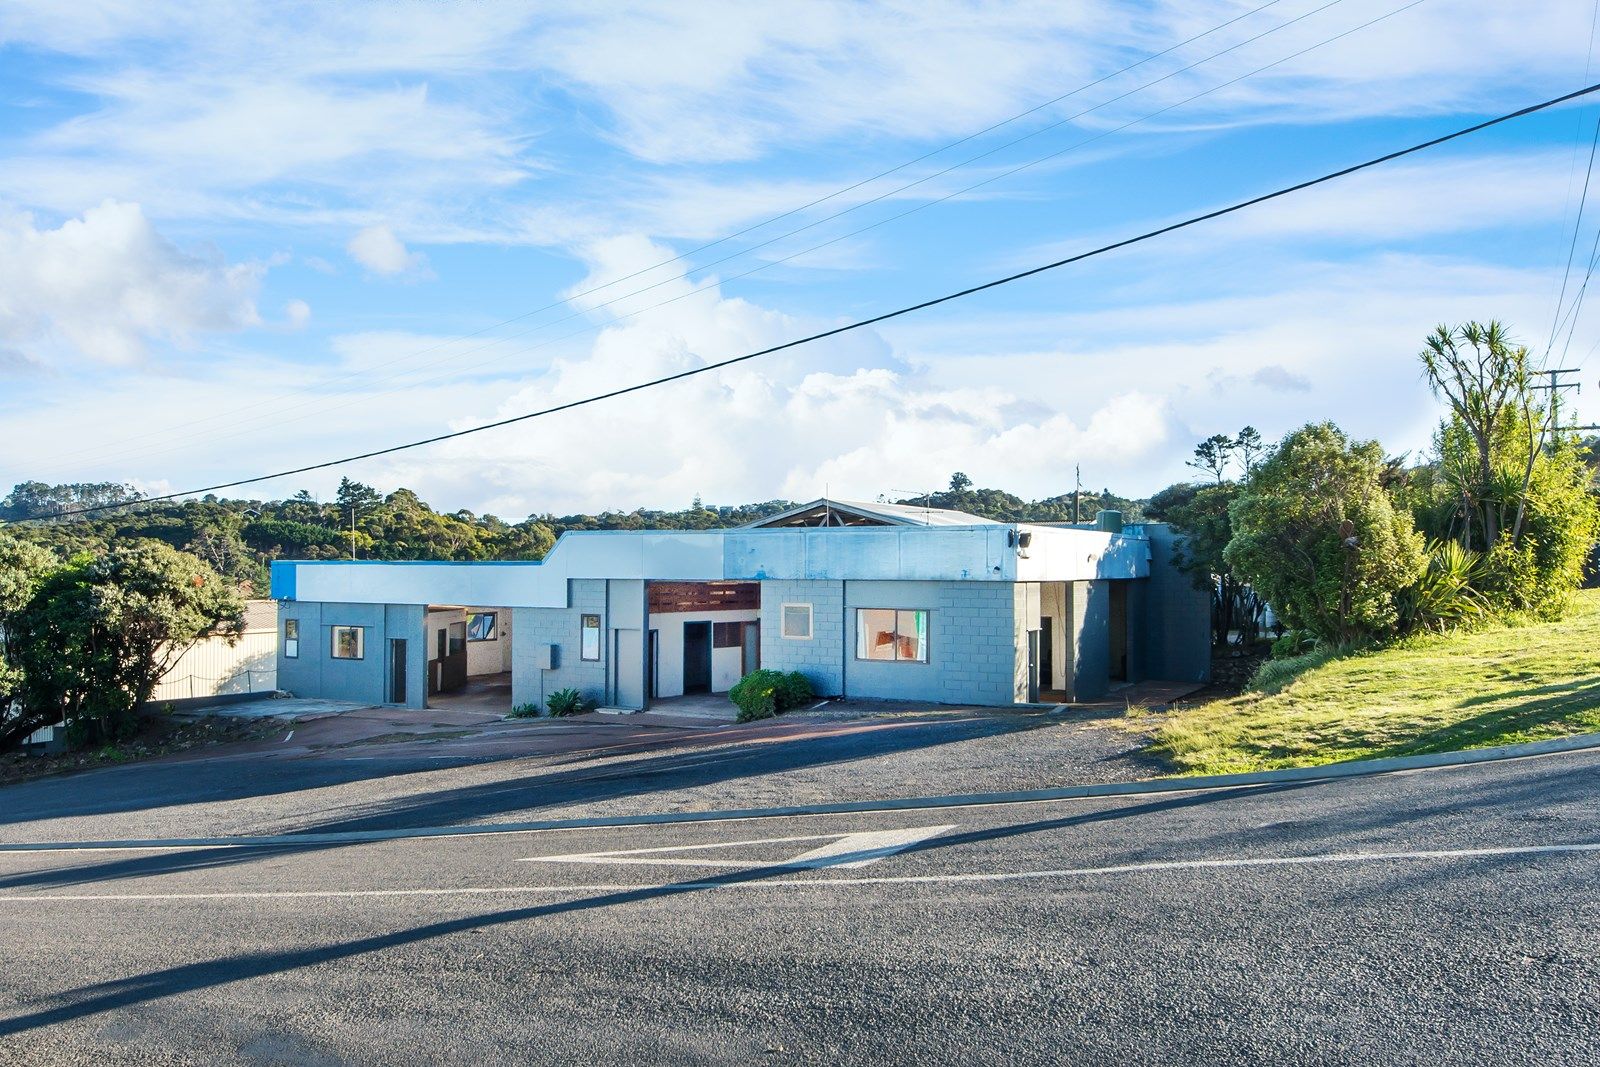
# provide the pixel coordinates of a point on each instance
(727, 635)
(589, 638)
(291, 638)
(349, 642)
(797, 622)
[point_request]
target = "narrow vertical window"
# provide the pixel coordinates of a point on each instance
(589, 638)
(291, 638)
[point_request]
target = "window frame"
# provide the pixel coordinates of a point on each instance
(783, 622)
(291, 638)
(927, 636)
(493, 626)
(584, 628)
(361, 642)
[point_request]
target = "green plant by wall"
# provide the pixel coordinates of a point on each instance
(568, 702)
(525, 711)
(765, 693)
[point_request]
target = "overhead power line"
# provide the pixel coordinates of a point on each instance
(302, 412)
(751, 228)
(1126, 242)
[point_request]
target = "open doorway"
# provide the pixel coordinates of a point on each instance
(696, 657)
(469, 657)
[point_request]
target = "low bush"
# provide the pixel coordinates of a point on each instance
(765, 693)
(525, 711)
(568, 702)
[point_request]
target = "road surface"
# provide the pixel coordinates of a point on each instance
(1446, 916)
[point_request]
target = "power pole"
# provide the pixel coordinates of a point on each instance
(1555, 386)
(1077, 493)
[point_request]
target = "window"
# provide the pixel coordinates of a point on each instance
(481, 626)
(291, 638)
(797, 622)
(727, 635)
(589, 643)
(892, 634)
(458, 638)
(349, 642)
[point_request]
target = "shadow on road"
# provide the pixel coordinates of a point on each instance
(191, 977)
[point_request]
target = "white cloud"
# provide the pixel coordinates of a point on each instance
(107, 284)
(296, 314)
(381, 252)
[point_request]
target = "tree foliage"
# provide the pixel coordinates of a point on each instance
(1317, 534)
(98, 632)
(1505, 481)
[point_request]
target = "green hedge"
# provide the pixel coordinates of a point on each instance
(765, 693)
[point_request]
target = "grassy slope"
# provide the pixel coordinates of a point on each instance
(1430, 695)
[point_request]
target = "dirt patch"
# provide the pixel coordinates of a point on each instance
(157, 736)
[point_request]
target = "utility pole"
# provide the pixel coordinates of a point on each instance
(1555, 386)
(1077, 493)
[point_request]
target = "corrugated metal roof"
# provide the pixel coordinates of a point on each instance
(862, 513)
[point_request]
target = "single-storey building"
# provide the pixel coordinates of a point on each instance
(866, 599)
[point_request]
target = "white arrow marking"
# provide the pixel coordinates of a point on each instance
(842, 850)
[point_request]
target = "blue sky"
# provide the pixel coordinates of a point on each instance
(240, 238)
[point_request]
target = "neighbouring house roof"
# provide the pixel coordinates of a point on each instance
(827, 512)
(260, 615)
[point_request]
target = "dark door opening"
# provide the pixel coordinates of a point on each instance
(1047, 653)
(697, 657)
(652, 684)
(397, 670)
(1119, 632)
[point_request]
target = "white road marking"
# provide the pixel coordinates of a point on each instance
(287, 736)
(831, 883)
(842, 850)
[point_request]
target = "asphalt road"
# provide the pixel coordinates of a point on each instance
(1447, 916)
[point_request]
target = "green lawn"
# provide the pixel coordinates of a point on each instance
(1433, 694)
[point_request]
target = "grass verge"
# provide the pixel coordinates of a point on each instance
(1428, 694)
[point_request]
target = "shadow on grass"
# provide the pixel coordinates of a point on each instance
(1544, 711)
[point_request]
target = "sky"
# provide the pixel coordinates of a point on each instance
(241, 238)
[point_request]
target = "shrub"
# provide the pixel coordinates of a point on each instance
(1293, 643)
(525, 711)
(765, 693)
(1276, 675)
(568, 702)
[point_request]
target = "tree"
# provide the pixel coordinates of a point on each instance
(959, 482)
(22, 567)
(1212, 456)
(1316, 534)
(1506, 481)
(354, 499)
(1250, 447)
(99, 632)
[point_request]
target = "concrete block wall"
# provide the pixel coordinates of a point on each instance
(972, 649)
(315, 673)
(821, 659)
(536, 627)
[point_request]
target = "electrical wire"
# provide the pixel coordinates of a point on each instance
(1126, 242)
(835, 194)
(456, 370)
